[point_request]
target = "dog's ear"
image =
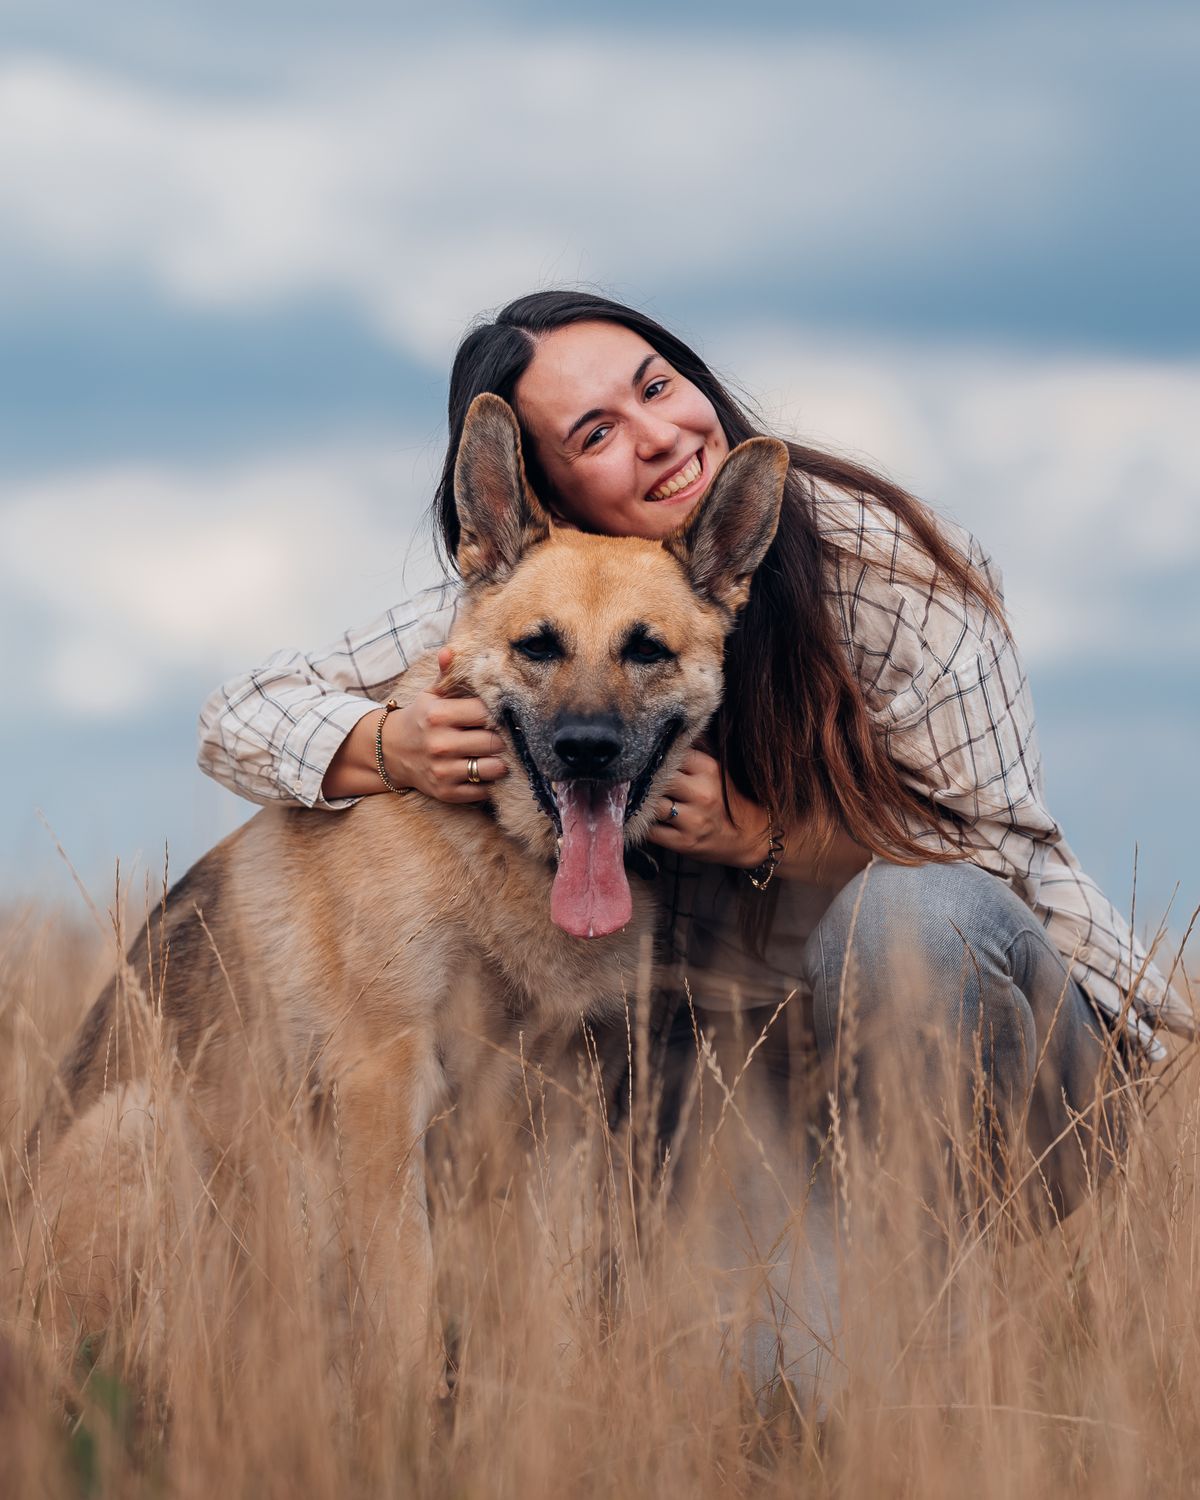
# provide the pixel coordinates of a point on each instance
(727, 535)
(497, 511)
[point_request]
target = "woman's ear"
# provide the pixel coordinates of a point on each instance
(727, 535)
(499, 515)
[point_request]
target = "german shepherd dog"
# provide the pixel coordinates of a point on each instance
(388, 957)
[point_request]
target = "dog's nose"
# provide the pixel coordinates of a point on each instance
(587, 746)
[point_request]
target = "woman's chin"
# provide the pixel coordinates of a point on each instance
(663, 517)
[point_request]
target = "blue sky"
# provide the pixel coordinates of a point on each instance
(238, 244)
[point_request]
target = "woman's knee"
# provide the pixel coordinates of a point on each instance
(889, 913)
(937, 983)
(911, 950)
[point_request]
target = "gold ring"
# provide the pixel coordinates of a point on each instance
(473, 775)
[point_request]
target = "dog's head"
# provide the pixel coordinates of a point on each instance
(599, 658)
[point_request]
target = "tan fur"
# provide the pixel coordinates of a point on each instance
(389, 961)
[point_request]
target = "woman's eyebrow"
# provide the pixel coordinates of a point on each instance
(598, 411)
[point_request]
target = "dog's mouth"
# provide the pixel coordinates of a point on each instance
(591, 896)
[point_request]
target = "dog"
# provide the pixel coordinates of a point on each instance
(390, 957)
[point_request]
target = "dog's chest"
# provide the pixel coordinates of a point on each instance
(513, 1007)
(538, 972)
(545, 977)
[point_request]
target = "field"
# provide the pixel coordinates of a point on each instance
(595, 1338)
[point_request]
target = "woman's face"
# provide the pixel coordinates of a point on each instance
(627, 443)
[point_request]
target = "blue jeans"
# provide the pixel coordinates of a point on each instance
(942, 975)
(937, 973)
(942, 1022)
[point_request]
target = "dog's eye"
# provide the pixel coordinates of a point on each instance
(544, 646)
(644, 650)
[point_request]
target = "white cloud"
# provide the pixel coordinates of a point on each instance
(424, 183)
(131, 575)
(1080, 476)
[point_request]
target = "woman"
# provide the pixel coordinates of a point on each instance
(873, 769)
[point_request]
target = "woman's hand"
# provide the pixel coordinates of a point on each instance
(703, 829)
(700, 825)
(428, 745)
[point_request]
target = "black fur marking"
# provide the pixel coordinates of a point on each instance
(641, 785)
(641, 864)
(538, 784)
(543, 794)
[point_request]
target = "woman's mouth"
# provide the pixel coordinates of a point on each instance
(682, 482)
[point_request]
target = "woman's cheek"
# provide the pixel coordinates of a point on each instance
(616, 485)
(598, 502)
(695, 411)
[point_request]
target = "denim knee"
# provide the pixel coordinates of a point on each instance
(943, 987)
(915, 950)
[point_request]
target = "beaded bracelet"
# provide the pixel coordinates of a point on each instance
(761, 875)
(400, 791)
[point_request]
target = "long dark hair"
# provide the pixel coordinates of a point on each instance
(793, 732)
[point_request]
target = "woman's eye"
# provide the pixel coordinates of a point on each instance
(594, 437)
(653, 388)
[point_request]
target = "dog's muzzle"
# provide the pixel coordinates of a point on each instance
(590, 808)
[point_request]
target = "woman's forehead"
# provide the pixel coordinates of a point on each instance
(577, 367)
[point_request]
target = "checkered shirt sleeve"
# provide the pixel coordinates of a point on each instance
(945, 683)
(271, 734)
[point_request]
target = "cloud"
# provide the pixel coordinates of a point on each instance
(1080, 476)
(234, 210)
(425, 182)
(123, 578)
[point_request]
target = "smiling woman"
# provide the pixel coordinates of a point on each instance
(635, 463)
(873, 762)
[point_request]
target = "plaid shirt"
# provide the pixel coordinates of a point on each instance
(940, 676)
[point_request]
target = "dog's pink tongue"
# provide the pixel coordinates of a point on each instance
(591, 892)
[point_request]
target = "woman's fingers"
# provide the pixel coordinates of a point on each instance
(459, 744)
(690, 811)
(444, 748)
(453, 774)
(485, 767)
(697, 764)
(456, 713)
(490, 770)
(669, 836)
(667, 810)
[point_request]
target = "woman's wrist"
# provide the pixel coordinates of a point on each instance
(755, 842)
(354, 771)
(762, 874)
(381, 764)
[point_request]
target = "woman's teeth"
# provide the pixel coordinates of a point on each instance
(687, 475)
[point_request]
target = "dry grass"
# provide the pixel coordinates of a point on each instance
(596, 1343)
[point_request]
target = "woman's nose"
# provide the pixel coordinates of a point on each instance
(654, 436)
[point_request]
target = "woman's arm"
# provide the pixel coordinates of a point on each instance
(273, 734)
(945, 681)
(426, 745)
(833, 867)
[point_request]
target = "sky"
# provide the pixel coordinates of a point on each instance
(239, 243)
